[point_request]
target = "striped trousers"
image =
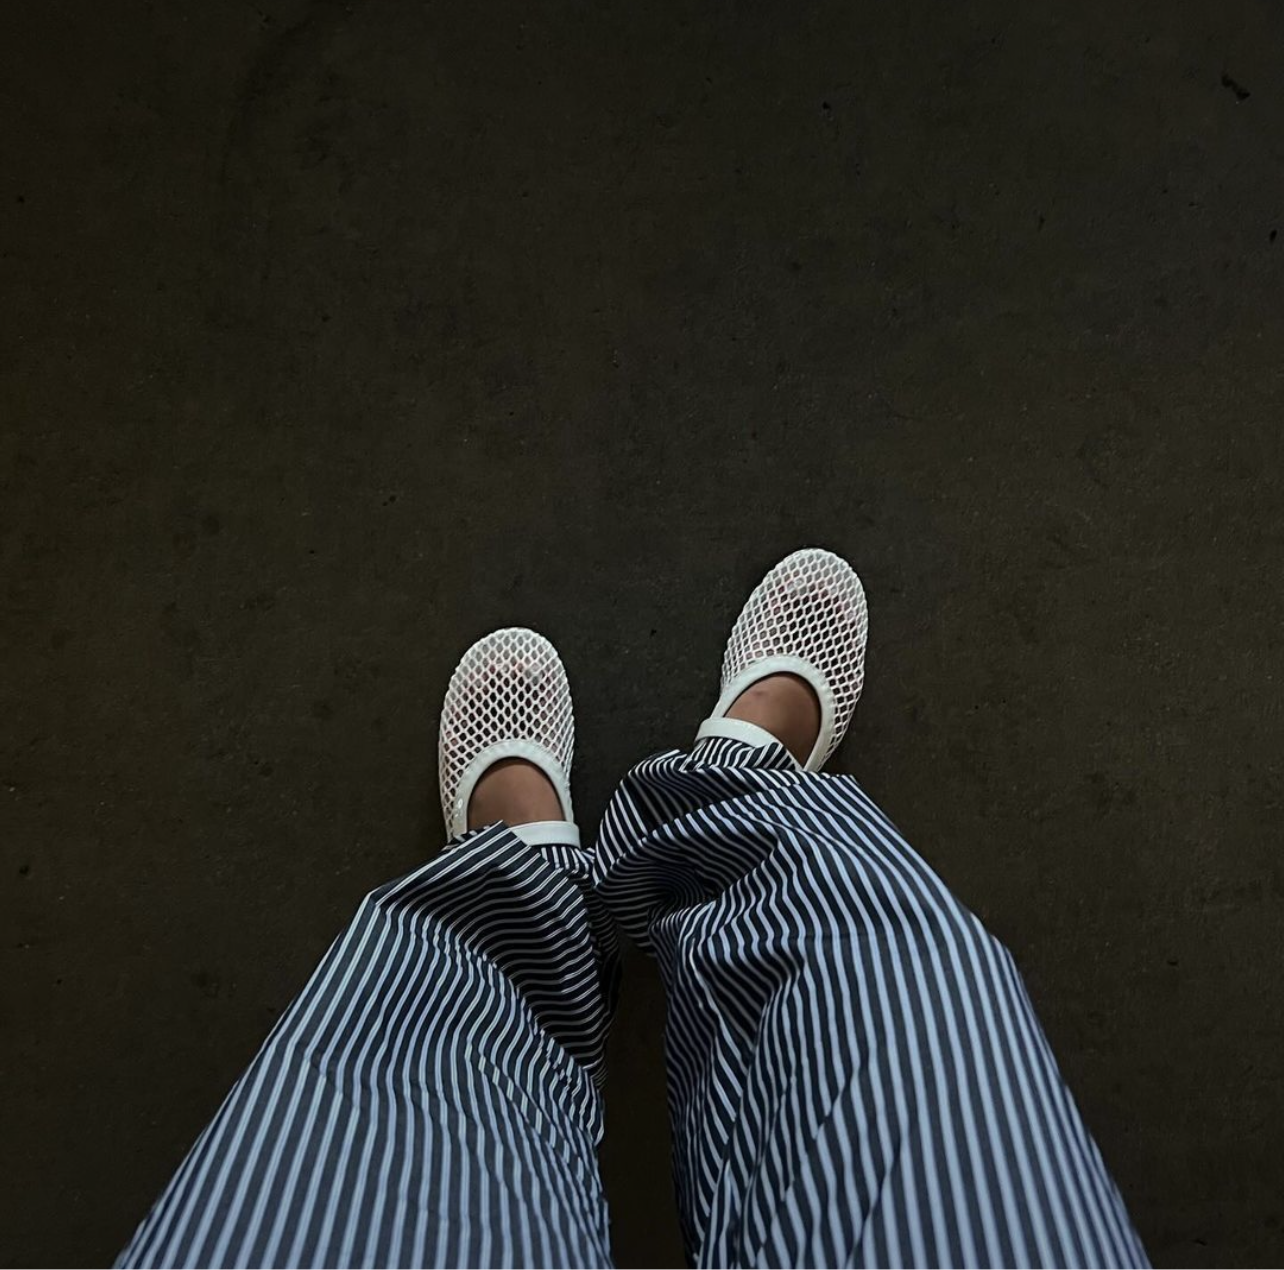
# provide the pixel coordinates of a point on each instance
(856, 1075)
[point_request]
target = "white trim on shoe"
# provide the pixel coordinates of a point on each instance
(548, 833)
(508, 698)
(515, 747)
(780, 664)
(742, 730)
(807, 617)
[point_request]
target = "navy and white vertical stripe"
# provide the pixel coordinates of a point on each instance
(432, 1097)
(856, 1074)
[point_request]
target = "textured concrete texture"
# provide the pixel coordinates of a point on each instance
(334, 334)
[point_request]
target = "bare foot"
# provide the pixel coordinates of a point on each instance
(785, 706)
(513, 791)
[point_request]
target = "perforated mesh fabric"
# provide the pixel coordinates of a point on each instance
(811, 605)
(509, 685)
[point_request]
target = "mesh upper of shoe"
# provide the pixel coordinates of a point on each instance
(812, 606)
(510, 685)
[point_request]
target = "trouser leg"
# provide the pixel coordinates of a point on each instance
(432, 1097)
(856, 1074)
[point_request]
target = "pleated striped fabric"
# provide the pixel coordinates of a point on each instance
(856, 1074)
(432, 1098)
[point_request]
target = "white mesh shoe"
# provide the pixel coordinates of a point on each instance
(508, 698)
(808, 618)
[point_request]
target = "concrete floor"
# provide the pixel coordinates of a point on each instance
(335, 334)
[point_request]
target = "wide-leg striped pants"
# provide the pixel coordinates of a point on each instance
(856, 1074)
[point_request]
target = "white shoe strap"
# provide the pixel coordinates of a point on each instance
(548, 833)
(515, 747)
(742, 730)
(785, 663)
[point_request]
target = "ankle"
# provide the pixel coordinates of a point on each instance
(514, 791)
(785, 706)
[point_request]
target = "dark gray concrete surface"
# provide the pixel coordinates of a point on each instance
(333, 334)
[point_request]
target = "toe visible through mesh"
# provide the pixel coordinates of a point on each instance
(812, 606)
(509, 685)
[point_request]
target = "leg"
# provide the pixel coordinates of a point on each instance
(856, 1074)
(431, 1098)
